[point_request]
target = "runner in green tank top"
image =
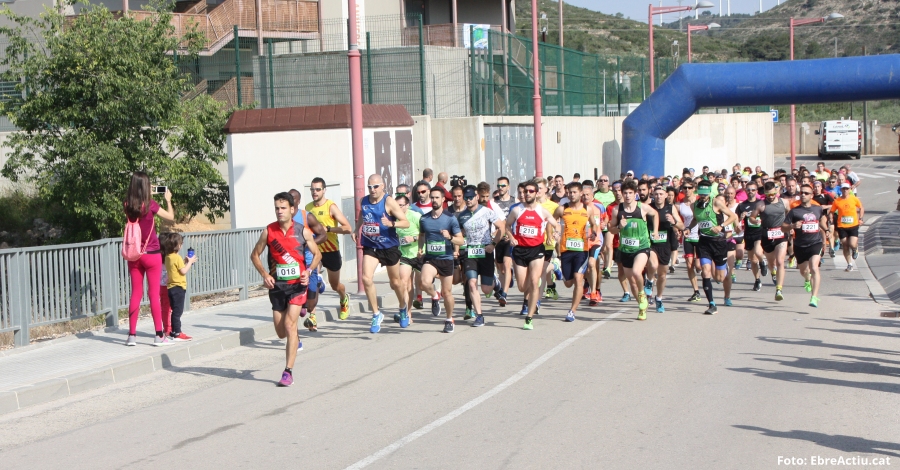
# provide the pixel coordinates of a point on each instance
(629, 221)
(711, 216)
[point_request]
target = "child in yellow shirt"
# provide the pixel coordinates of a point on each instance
(177, 269)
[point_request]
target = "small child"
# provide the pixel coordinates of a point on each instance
(177, 271)
(164, 289)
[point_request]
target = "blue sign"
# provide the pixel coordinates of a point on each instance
(774, 115)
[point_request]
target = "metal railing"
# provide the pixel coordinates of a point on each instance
(52, 284)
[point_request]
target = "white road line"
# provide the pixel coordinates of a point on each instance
(484, 397)
(889, 175)
(884, 192)
(867, 175)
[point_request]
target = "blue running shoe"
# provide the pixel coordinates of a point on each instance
(728, 302)
(570, 317)
(524, 309)
(659, 307)
(479, 321)
(321, 284)
(376, 323)
(396, 318)
(404, 318)
(648, 288)
(626, 297)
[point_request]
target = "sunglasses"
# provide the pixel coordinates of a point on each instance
(751, 190)
(771, 194)
(469, 198)
(806, 193)
(374, 186)
(423, 191)
(316, 190)
(530, 191)
(604, 181)
(502, 185)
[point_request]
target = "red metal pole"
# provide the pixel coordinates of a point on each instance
(793, 111)
(650, 25)
(538, 140)
(356, 129)
(689, 44)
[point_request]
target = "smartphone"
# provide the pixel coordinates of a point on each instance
(160, 189)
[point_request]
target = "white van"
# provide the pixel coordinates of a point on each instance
(840, 138)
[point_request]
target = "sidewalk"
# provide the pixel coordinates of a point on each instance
(56, 369)
(880, 247)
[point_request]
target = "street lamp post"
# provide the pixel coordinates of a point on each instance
(702, 27)
(661, 11)
(801, 22)
(538, 139)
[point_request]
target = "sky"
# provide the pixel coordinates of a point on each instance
(637, 9)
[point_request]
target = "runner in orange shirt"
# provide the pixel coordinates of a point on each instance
(850, 214)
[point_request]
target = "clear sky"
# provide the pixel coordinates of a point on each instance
(637, 9)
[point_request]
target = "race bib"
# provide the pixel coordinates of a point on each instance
(706, 225)
(403, 241)
(476, 251)
(574, 244)
(287, 272)
(371, 230)
(775, 234)
(810, 228)
(729, 228)
(633, 242)
(435, 248)
(662, 236)
(692, 240)
(528, 232)
(848, 219)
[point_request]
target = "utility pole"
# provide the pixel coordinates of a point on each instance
(560, 23)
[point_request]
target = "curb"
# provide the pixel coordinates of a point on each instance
(871, 245)
(168, 357)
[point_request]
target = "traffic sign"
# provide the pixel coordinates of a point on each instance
(774, 115)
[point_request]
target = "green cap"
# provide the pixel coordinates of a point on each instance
(704, 190)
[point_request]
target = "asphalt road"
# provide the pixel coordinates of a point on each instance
(760, 381)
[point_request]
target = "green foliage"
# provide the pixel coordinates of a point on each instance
(98, 98)
(766, 47)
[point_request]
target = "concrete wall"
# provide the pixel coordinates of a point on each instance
(457, 147)
(720, 141)
(881, 139)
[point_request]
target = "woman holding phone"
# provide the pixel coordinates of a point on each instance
(140, 208)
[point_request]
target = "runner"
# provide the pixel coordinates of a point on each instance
(376, 228)
(288, 275)
(409, 259)
(329, 215)
(771, 213)
(691, 236)
(309, 221)
(593, 292)
(711, 216)
(531, 220)
(850, 213)
(606, 196)
(550, 242)
(423, 201)
(629, 220)
(438, 234)
(808, 221)
(734, 235)
(477, 223)
(753, 234)
(661, 247)
(503, 249)
(573, 248)
(825, 200)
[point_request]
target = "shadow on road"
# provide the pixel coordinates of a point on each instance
(850, 367)
(833, 441)
(821, 344)
(797, 377)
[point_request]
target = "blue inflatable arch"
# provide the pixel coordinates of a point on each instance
(695, 86)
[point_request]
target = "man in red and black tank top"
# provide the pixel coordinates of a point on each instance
(287, 277)
(531, 220)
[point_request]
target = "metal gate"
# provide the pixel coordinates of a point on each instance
(509, 152)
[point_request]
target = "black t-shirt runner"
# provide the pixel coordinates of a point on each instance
(743, 211)
(808, 234)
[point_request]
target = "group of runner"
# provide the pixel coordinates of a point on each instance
(490, 240)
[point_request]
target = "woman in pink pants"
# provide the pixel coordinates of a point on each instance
(141, 208)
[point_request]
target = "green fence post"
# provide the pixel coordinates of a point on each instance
(237, 65)
(618, 93)
(643, 90)
(422, 68)
(472, 72)
(597, 82)
(271, 76)
(490, 51)
(369, 66)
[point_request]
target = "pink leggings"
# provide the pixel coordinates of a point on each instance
(151, 265)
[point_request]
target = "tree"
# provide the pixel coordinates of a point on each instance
(99, 97)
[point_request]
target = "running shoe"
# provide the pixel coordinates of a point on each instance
(479, 321)
(448, 326)
(749, 266)
(648, 287)
(757, 285)
(626, 297)
(553, 294)
(671, 269)
(180, 337)
(651, 300)
(299, 345)
(470, 314)
(397, 317)
(286, 379)
(435, 307)
(712, 310)
(837, 245)
(556, 271)
(659, 307)
(738, 263)
(161, 341)
(763, 268)
(727, 301)
(376, 322)
(131, 341)
(528, 324)
(792, 263)
(607, 274)
(642, 301)
(594, 299)
(502, 299)
(642, 314)
(537, 308)
(774, 277)
(321, 285)
(524, 309)
(311, 323)
(831, 251)
(733, 277)
(417, 304)
(404, 318)
(345, 307)
(808, 286)
(855, 253)
(570, 316)
(813, 301)
(695, 297)
(547, 293)
(849, 268)
(778, 295)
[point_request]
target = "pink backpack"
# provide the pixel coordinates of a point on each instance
(131, 241)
